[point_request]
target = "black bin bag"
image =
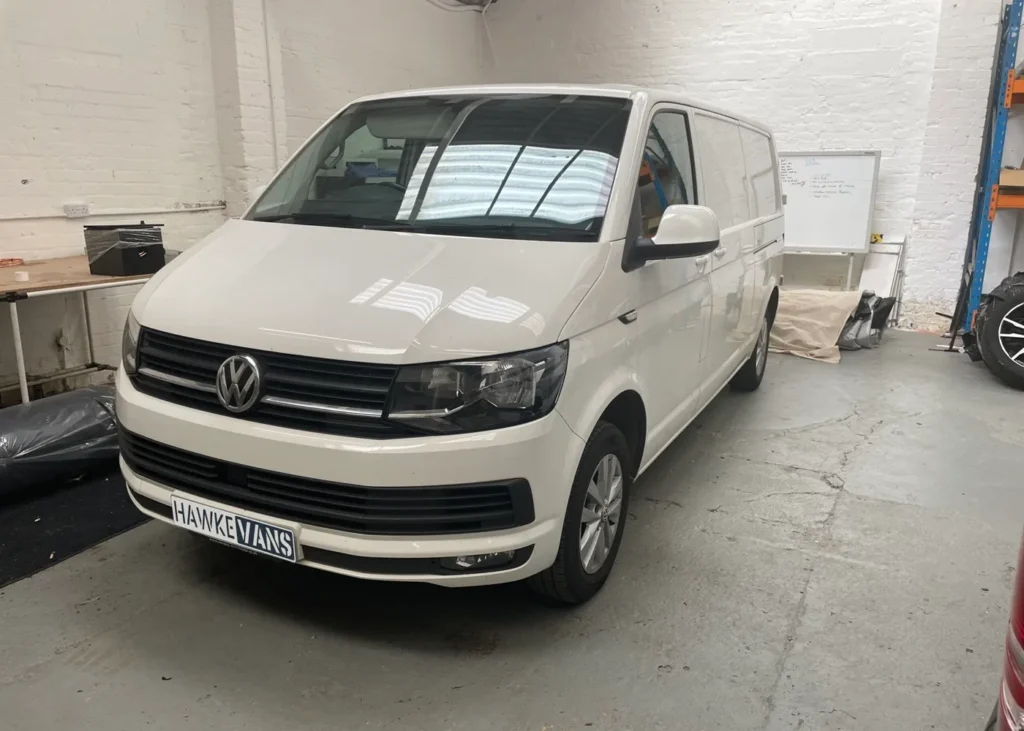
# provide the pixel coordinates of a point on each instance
(50, 441)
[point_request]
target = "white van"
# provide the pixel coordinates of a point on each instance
(453, 330)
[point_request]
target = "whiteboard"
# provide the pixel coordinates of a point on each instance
(829, 200)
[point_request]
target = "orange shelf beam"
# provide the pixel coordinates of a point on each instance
(1015, 91)
(1011, 200)
(1003, 197)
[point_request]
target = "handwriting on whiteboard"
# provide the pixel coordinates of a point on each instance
(789, 175)
(823, 186)
(819, 185)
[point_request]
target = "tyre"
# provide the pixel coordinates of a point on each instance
(999, 328)
(595, 520)
(748, 378)
(980, 318)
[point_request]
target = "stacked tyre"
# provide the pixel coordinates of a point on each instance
(999, 330)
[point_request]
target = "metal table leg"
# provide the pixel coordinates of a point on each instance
(19, 354)
(90, 356)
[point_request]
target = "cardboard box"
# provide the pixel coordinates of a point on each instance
(1012, 178)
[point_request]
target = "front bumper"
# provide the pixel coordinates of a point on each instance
(544, 452)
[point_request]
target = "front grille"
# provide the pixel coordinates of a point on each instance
(315, 381)
(372, 510)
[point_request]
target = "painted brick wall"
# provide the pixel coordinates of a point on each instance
(250, 98)
(907, 77)
(949, 165)
(164, 104)
(337, 50)
(109, 102)
(143, 105)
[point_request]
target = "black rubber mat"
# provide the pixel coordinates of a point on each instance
(38, 532)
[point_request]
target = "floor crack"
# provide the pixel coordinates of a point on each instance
(659, 501)
(787, 649)
(832, 479)
(785, 494)
(798, 614)
(815, 426)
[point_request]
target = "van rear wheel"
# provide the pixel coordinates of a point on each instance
(595, 520)
(748, 378)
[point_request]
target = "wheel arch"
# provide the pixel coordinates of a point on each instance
(629, 415)
(620, 400)
(773, 306)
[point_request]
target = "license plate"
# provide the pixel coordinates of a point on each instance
(236, 530)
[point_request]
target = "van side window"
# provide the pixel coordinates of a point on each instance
(666, 173)
(757, 149)
(723, 170)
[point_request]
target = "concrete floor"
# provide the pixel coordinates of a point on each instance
(832, 552)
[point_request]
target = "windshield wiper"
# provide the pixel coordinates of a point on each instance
(346, 220)
(485, 230)
(494, 230)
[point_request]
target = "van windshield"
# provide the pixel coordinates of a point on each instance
(500, 166)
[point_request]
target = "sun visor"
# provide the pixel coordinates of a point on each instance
(411, 123)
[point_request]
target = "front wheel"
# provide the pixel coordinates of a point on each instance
(748, 378)
(595, 520)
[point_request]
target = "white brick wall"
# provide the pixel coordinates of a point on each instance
(164, 104)
(908, 77)
(167, 104)
(110, 102)
(337, 50)
(949, 163)
(250, 106)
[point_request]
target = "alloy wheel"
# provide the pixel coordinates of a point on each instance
(1011, 334)
(602, 512)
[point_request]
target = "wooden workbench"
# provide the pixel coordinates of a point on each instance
(51, 277)
(47, 274)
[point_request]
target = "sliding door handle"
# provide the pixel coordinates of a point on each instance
(719, 252)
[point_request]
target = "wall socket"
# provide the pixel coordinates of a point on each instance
(76, 210)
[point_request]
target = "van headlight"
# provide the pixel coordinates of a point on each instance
(130, 344)
(484, 393)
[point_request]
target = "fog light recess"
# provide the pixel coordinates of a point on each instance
(479, 561)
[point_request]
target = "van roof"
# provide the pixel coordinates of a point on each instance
(621, 91)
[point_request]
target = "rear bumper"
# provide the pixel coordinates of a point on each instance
(545, 453)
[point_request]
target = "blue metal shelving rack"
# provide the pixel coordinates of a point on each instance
(987, 196)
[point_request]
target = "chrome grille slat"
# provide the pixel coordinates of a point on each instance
(299, 392)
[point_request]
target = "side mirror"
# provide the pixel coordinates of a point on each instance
(684, 232)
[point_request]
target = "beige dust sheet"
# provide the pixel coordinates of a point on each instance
(809, 322)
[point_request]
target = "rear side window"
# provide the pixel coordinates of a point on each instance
(724, 170)
(757, 149)
(666, 172)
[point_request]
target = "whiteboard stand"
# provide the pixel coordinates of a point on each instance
(829, 201)
(851, 257)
